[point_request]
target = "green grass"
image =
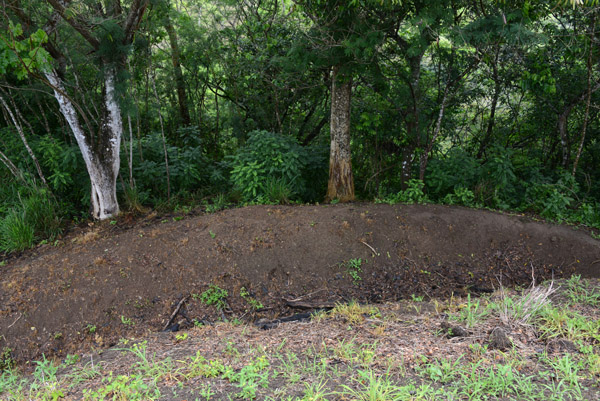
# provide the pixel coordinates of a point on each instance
(358, 363)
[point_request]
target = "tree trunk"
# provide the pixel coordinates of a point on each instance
(438, 127)
(490, 128)
(563, 119)
(341, 181)
(184, 112)
(101, 158)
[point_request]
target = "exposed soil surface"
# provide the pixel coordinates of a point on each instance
(111, 281)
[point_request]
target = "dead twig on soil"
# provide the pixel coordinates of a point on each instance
(13, 323)
(304, 296)
(176, 311)
(371, 248)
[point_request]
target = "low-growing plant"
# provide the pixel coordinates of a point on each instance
(122, 387)
(525, 308)
(127, 321)
(219, 202)
(253, 302)
(471, 312)
(580, 291)
(353, 312)
(16, 234)
(354, 268)
(6, 360)
(214, 296)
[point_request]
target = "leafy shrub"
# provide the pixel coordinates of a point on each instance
(552, 200)
(272, 166)
(457, 169)
(461, 196)
(188, 169)
(412, 194)
(496, 186)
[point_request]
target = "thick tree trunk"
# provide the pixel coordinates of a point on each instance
(101, 158)
(341, 180)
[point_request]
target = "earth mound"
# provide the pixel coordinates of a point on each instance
(124, 279)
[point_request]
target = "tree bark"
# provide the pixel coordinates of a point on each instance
(438, 126)
(184, 112)
(588, 100)
(341, 180)
(101, 158)
(490, 128)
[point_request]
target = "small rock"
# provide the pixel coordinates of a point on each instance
(452, 330)
(560, 345)
(499, 340)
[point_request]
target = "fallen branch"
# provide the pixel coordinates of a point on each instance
(176, 311)
(292, 303)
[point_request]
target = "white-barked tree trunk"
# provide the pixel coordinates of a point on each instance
(101, 156)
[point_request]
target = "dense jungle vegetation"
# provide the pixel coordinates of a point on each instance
(165, 104)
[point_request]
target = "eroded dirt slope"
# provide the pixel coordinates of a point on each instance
(110, 281)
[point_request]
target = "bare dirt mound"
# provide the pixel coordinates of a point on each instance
(116, 280)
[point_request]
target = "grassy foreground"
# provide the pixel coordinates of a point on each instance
(539, 343)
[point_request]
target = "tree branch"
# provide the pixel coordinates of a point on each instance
(80, 26)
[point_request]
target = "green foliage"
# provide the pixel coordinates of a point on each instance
(34, 218)
(253, 302)
(552, 200)
(22, 55)
(122, 388)
(16, 234)
(188, 169)
(412, 194)
(6, 360)
(277, 191)
(457, 169)
(215, 295)
(272, 167)
(461, 196)
(354, 268)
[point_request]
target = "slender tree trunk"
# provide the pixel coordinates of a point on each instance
(588, 100)
(24, 139)
(341, 180)
(563, 120)
(490, 128)
(164, 140)
(184, 112)
(438, 126)
(11, 167)
(101, 158)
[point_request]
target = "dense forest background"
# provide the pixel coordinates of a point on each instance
(167, 104)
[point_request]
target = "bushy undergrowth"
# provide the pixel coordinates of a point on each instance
(276, 168)
(505, 181)
(267, 168)
(34, 218)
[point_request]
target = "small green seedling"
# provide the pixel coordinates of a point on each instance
(354, 268)
(254, 303)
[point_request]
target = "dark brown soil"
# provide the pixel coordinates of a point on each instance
(120, 280)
